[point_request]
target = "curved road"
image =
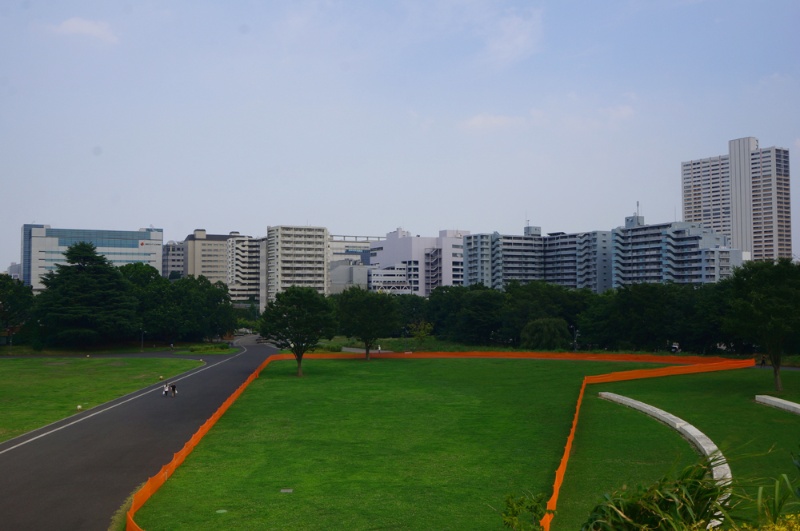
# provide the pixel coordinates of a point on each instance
(75, 474)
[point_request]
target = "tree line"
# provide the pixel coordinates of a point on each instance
(88, 302)
(756, 310)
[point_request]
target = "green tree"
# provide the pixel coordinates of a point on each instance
(153, 298)
(443, 306)
(16, 302)
(366, 315)
(297, 319)
(479, 317)
(598, 323)
(765, 308)
(412, 309)
(205, 309)
(538, 300)
(546, 334)
(87, 301)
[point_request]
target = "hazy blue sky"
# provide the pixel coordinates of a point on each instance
(367, 116)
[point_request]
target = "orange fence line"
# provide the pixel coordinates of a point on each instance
(154, 483)
(717, 364)
(688, 365)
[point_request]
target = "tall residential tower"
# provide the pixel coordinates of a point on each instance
(743, 195)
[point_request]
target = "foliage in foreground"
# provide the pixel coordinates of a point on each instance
(692, 500)
(525, 513)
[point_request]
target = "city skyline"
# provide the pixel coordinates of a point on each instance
(478, 116)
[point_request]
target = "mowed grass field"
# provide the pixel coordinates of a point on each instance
(386, 444)
(612, 441)
(35, 392)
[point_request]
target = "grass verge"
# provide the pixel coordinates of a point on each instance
(37, 391)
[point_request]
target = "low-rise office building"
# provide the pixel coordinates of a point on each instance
(43, 248)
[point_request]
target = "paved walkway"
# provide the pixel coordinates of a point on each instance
(74, 474)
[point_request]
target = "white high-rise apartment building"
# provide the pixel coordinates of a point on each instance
(293, 256)
(243, 255)
(495, 260)
(580, 260)
(677, 252)
(743, 195)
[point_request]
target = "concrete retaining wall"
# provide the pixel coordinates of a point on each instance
(721, 471)
(791, 407)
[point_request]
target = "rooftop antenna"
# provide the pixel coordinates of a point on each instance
(637, 209)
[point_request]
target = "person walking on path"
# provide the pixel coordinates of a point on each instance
(166, 389)
(174, 389)
(763, 360)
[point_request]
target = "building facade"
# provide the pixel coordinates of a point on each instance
(494, 260)
(744, 195)
(43, 248)
(677, 252)
(293, 256)
(580, 260)
(15, 271)
(243, 268)
(207, 255)
(347, 261)
(428, 261)
(173, 259)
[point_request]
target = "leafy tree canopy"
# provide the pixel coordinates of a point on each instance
(16, 303)
(548, 333)
(765, 308)
(297, 319)
(86, 301)
(367, 315)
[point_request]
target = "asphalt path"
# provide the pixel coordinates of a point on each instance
(75, 474)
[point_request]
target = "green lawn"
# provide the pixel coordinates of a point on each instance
(392, 444)
(613, 442)
(37, 391)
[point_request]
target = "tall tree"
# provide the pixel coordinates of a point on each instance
(86, 301)
(480, 317)
(366, 315)
(412, 310)
(150, 290)
(16, 302)
(205, 308)
(297, 319)
(443, 306)
(765, 308)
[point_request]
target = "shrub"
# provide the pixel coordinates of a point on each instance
(524, 513)
(693, 500)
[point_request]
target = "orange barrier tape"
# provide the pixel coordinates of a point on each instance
(685, 365)
(155, 482)
(716, 364)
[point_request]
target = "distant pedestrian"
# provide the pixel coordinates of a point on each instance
(166, 389)
(379, 349)
(171, 346)
(174, 389)
(763, 360)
